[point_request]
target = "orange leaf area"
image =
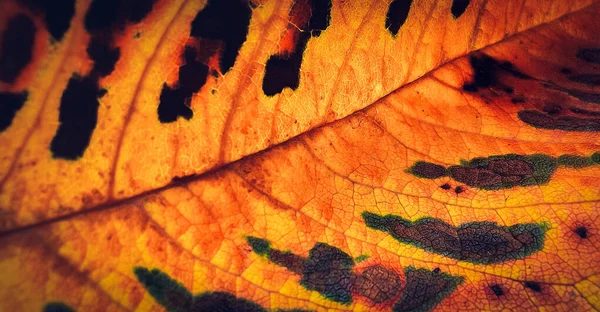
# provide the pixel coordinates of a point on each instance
(475, 187)
(352, 63)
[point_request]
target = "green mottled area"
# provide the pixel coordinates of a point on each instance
(259, 245)
(57, 307)
(480, 173)
(361, 258)
(479, 242)
(425, 289)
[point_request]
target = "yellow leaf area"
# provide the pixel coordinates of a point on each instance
(352, 63)
(473, 188)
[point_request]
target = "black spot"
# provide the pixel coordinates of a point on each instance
(475, 242)
(589, 55)
(283, 70)
(581, 231)
(396, 15)
(17, 46)
(320, 16)
(535, 286)
(446, 186)
(458, 190)
(459, 7)
(497, 290)
(10, 103)
(57, 307)
(227, 21)
(427, 170)
(328, 270)
(566, 71)
(222, 301)
(102, 15)
(566, 123)
(484, 72)
(57, 15)
(175, 101)
(77, 116)
(139, 9)
(104, 57)
(378, 283)
(425, 289)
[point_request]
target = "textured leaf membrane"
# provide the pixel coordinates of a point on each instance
(475, 187)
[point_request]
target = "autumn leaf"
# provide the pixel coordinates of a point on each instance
(299, 155)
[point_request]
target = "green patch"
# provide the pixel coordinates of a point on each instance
(259, 245)
(361, 258)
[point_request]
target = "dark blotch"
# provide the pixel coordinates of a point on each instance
(566, 71)
(175, 101)
(484, 75)
(459, 189)
(587, 79)
(446, 186)
(552, 109)
(566, 123)
(476, 242)
(57, 307)
(428, 170)
(17, 46)
(102, 15)
(459, 7)
(77, 116)
(104, 56)
(378, 283)
(10, 103)
(222, 301)
(396, 15)
(227, 21)
(166, 291)
(328, 270)
(581, 231)
(283, 70)
(288, 260)
(57, 15)
(584, 111)
(589, 55)
(139, 9)
(497, 290)
(535, 286)
(425, 289)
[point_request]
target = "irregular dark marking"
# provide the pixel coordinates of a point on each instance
(581, 231)
(78, 115)
(587, 79)
(175, 297)
(283, 70)
(288, 260)
(497, 172)
(427, 170)
(459, 7)
(589, 55)
(10, 103)
(446, 186)
(378, 283)
(17, 47)
(396, 15)
(497, 290)
(175, 101)
(509, 90)
(535, 286)
(328, 270)
(485, 71)
(57, 15)
(227, 21)
(166, 291)
(475, 242)
(552, 109)
(57, 307)
(566, 71)
(222, 301)
(565, 123)
(584, 111)
(458, 190)
(425, 289)
(104, 56)
(101, 15)
(581, 95)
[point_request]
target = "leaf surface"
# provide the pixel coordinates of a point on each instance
(474, 187)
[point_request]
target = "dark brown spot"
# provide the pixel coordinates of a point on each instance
(497, 290)
(378, 284)
(428, 170)
(446, 186)
(581, 231)
(459, 189)
(535, 286)
(589, 55)
(288, 260)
